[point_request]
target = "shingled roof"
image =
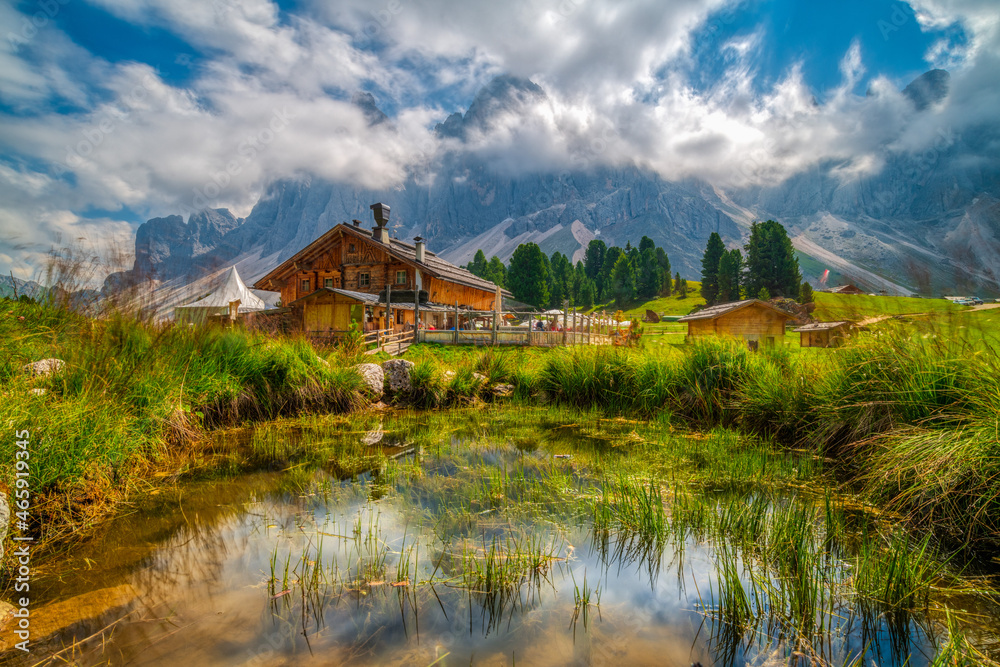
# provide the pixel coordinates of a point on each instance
(822, 326)
(713, 312)
(397, 249)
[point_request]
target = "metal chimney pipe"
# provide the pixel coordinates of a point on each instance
(420, 248)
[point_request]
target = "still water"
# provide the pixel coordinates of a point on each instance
(510, 538)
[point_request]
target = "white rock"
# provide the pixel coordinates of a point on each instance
(503, 390)
(44, 367)
(374, 378)
(397, 374)
(38, 391)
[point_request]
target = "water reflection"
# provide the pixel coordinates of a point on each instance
(395, 543)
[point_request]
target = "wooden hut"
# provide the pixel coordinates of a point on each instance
(751, 320)
(349, 273)
(824, 334)
(847, 289)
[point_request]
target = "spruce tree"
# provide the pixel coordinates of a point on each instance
(710, 268)
(477, 266)
(593, 261)
(771, 262)
(623, 281)
(496, 272)
(648, 273)
(730, 268)
(528, 275)
(560, 280)
(663, 262)
(806, 293)
(604, 278)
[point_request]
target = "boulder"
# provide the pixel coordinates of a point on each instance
(44, 367)
(503, 390)
(397, 375)
(374, 378)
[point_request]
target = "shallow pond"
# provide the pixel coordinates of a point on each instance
(500, 537)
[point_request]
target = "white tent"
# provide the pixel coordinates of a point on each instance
(232, 291)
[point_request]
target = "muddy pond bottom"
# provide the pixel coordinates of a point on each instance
(517, 537)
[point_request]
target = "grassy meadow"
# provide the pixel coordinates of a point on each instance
(907, 412)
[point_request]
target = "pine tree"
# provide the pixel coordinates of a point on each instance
(587, 295)
(528, 275)
(710, 268)
(663, 262)
(477, 266)
(730, 268)
(646, 242)
(604, 278)
(806, 293)
(623, 281)
(680, 286)
(560, 280)
(771, 262)
(648, 273)
(496, 272)
(593, 261)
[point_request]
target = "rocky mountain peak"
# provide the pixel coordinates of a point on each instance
(928, 88)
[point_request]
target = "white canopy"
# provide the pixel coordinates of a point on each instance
(217, 303)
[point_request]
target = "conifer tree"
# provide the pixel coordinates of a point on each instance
(623, 281)
(477, 266)
(710, 268)
(770, 261)
(730, 270)
(528, 275)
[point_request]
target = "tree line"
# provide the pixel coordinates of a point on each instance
(768, 269)
(605, 274)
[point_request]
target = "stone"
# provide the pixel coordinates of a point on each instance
(38, 391)
(397, 375)
(479, 377)
(373, 377)
(503, 390)
(449, 376)
(44, 367)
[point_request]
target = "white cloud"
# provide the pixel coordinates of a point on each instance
(270, 101)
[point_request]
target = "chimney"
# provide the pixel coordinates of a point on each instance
(420, 249)
(357, 223)
(380, 232)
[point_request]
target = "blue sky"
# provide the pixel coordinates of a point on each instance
(114, 111)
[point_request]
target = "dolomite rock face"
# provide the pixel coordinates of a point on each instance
(397, 375)
(374, 378)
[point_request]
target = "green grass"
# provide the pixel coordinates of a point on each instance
(831, 307)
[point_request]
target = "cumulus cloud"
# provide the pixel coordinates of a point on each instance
(270, 98)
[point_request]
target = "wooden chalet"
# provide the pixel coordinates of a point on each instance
(751, 320)
(824, 334)
(354, 275)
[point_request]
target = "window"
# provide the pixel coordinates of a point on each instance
(305, 285)
(401, 277)
(328, 282)
(363, 280)
(350, 247)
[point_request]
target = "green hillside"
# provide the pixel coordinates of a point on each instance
(831, 307)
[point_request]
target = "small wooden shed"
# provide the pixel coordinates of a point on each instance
(750, 320)
(824, 334)
(850, 288)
